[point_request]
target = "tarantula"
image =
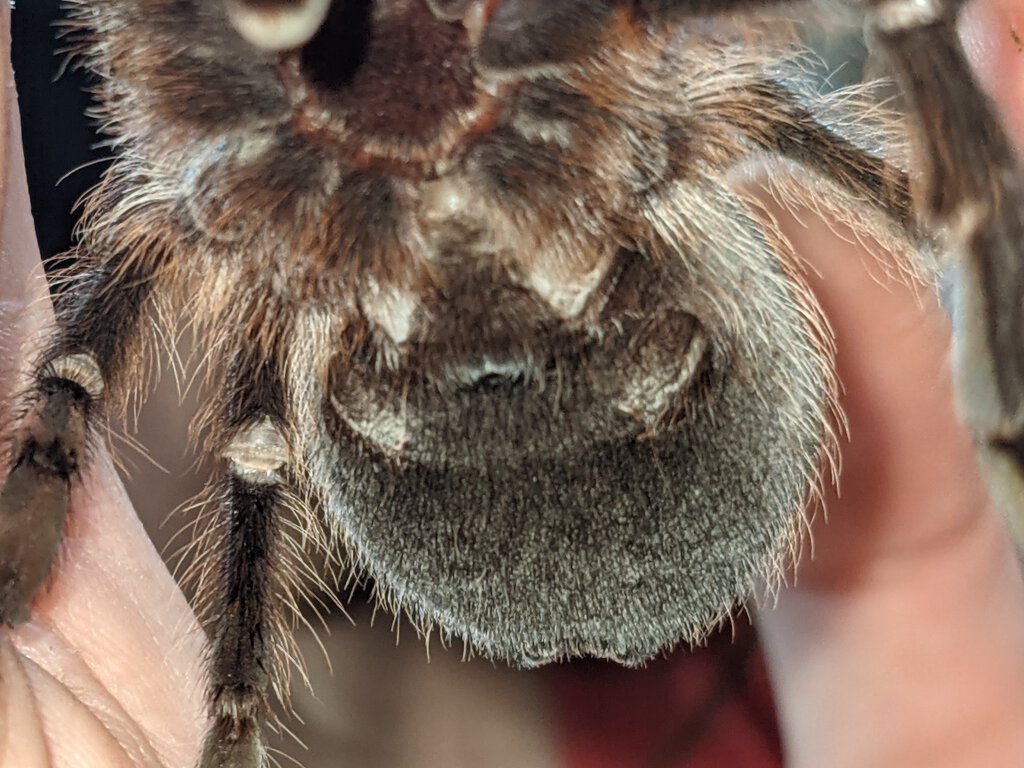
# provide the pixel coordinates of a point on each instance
(479, 294)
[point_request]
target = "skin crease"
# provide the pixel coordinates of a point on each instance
(902, 642)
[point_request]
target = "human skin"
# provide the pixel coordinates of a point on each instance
(900, 643)
(106, 674)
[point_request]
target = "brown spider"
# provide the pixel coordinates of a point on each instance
(478, 293)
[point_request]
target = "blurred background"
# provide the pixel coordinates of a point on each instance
(379, 703)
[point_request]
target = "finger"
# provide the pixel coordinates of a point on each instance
(901, 642)
(909, 623)
(993, 36)
(111, 631)
(909, 484)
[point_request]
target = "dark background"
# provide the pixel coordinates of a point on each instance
(61, 149)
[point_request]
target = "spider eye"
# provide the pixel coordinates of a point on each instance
(522, 34)
(277, 25)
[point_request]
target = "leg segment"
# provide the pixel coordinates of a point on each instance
(97, 322)
(844, 139)
(34, 500)
(249, 588)
(801, 137)
(240, 648)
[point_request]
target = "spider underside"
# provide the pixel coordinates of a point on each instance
(481, 298)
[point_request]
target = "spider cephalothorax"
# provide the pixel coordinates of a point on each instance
(476, 284)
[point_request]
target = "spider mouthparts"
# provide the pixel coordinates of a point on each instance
(277, 25)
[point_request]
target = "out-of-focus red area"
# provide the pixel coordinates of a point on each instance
(711, 708)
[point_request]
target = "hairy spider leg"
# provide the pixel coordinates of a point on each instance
(97, 324)
(247, 585)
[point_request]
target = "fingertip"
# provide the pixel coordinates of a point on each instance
(992, 32)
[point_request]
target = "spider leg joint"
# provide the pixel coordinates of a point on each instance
(257, 453)
(897, 15)
(81, 369)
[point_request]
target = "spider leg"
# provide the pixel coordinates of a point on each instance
(973, 185)
(97, 322)
(248, 586)
(803, 139)
(752, 113)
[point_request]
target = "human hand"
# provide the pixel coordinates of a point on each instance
(106, 672)
(912, 567)
(902, 641)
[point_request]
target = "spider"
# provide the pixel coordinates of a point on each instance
(477, 293)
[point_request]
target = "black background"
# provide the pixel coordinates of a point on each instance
(61, 147)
